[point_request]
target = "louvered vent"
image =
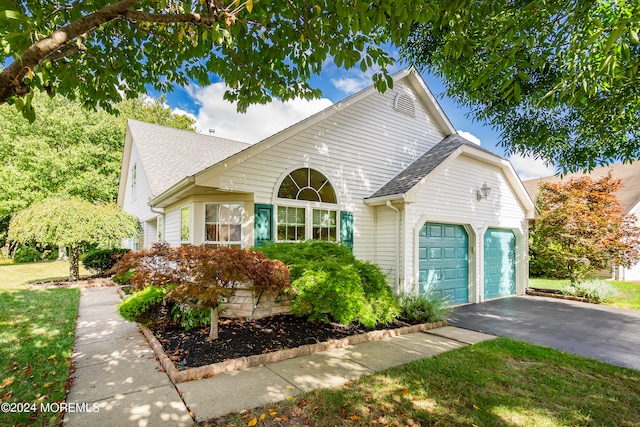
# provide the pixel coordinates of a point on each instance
(404, 104)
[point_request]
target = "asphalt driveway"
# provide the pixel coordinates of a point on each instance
(609, 334)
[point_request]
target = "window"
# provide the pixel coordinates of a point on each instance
(324, 225)
(307, 184)
(223, 224)
(291, 223)
(312, 197)
(160, 228)
(185, 224)
(133, 181)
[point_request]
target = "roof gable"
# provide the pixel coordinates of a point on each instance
(629, 173)
(413, 79)
(169, 155)
(423, 166)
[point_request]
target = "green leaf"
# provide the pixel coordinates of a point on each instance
(12, 14)
(19, 104)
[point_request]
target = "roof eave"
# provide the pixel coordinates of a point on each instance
(382, 200)
(124, 166)
(173, 190)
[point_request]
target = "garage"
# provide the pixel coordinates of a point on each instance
(499, 263)
(443, 253)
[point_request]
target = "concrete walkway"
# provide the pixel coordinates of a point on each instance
(117, 370)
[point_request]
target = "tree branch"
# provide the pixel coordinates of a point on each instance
(11, 83)
(58, 45)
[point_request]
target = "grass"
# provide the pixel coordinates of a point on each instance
(16, 276)
(496, 383)
(628, 292)
(37, 329)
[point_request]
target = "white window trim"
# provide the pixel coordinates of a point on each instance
(204, 224)
(190, 224)
(308, 216)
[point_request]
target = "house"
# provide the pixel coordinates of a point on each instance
(629, 196)
(384, 173)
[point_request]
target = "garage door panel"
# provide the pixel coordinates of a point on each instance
(449, 253)
(445, 269)
(499, 263)
(435, 253)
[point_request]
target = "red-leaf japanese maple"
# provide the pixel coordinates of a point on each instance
(193, 273)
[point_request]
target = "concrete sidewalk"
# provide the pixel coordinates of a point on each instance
(117, 370)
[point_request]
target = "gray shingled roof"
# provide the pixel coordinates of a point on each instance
(169, 155)
(629, 173)
(412, 174)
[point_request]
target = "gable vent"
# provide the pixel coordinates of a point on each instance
(404, 104)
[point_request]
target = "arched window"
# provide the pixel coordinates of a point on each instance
(307, 184)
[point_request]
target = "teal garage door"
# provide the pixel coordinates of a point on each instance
(499, 263)
(443, 261)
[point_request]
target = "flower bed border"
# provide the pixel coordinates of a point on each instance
(541, 293)
(178, 376)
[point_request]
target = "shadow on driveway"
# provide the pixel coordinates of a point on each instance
(609, 334)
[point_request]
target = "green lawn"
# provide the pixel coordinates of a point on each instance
(37, 329)
(628, 292)
(496, 383)
(16, 276)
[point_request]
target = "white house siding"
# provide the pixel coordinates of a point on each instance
(172, 227)
(631, 274)
(449, 196)
(138, 206)
(386, 239)
(359, 149)
(151, 232)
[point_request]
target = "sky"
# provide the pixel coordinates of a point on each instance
(210, 111)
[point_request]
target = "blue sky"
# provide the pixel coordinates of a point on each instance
(206, 106)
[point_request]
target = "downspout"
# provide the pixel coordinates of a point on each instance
(397, 239)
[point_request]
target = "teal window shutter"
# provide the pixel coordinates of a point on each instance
(263, 224)
(346, 229)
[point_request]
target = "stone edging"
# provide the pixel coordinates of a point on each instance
(207, 371)
(558, 296)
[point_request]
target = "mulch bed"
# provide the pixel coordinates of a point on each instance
(241, 338)
(86, 282)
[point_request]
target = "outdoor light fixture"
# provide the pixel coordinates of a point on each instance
(483, 193)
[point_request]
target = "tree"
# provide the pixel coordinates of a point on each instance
(72, 223)
(581, 228)
(559, 79)
(200, 277)
(68, 151)
(261, 49)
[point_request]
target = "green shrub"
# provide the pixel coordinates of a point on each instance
(298, 255)
(27, 254)
(327, 291)
(593, 289)
(377, 292)
(123, 279)
(145, 306)
(332, 284)
(190, 317)
(424, 308)
(101, 260)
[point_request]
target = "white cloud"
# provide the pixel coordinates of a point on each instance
(469, 136)
(182, 112)
(259, 122)
(530, 168)
(350, 85)
(354, 80)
